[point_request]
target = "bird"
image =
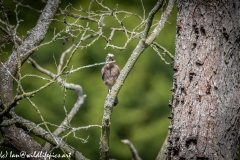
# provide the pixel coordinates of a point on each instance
(110, 73)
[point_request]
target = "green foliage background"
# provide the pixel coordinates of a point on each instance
(141, 115)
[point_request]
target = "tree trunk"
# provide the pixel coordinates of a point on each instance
(206, 98)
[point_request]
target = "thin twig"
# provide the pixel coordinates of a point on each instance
(66, 85)
(132, 149)
(163, 49)
(155, 48)
(88, 66)
(27, 6)
(34, 38)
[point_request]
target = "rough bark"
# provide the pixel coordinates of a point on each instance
(205, 105)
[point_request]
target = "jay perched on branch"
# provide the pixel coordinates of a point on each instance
(110, 74)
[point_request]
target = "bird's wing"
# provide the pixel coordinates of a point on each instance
(116, 70)
(102, 72)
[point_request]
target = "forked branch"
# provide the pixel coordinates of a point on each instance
(142, 45)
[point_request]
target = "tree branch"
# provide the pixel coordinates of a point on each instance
(77, 105)
(162, 154)
(132, 148)
(27, 6)
(27, 143)
(142, 45)
(161, 23)
(164, 50)
(151, 16)
(56, 141)
(34, 38)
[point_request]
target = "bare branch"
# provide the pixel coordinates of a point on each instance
(142, 45)
(27, 95)
(24, 48)
(88, 66)
(63, 56)
(66, 12)
(73, 130)
(156, 48)
(163, 49)
(5, 16)
(4, 30)
(160, 55)
(39, 68)
(35, 36)
(74, 110)
(99, 20)
(77, 105)
(13, 103)
(151, 16)
(161, 22)
(27, 6)
(143, 9)
(40, 132)
(132, 149)
(100, 4)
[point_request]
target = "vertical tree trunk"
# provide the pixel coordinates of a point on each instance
(206, 92)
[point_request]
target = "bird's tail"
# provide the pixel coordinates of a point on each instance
(115, 101)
